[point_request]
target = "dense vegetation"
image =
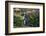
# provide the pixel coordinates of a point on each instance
(31, 20)
(18, 21)
(34, 19)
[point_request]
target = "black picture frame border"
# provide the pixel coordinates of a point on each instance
(6, 17)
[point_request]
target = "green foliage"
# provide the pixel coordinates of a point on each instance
(18, 21)
(34, 19)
